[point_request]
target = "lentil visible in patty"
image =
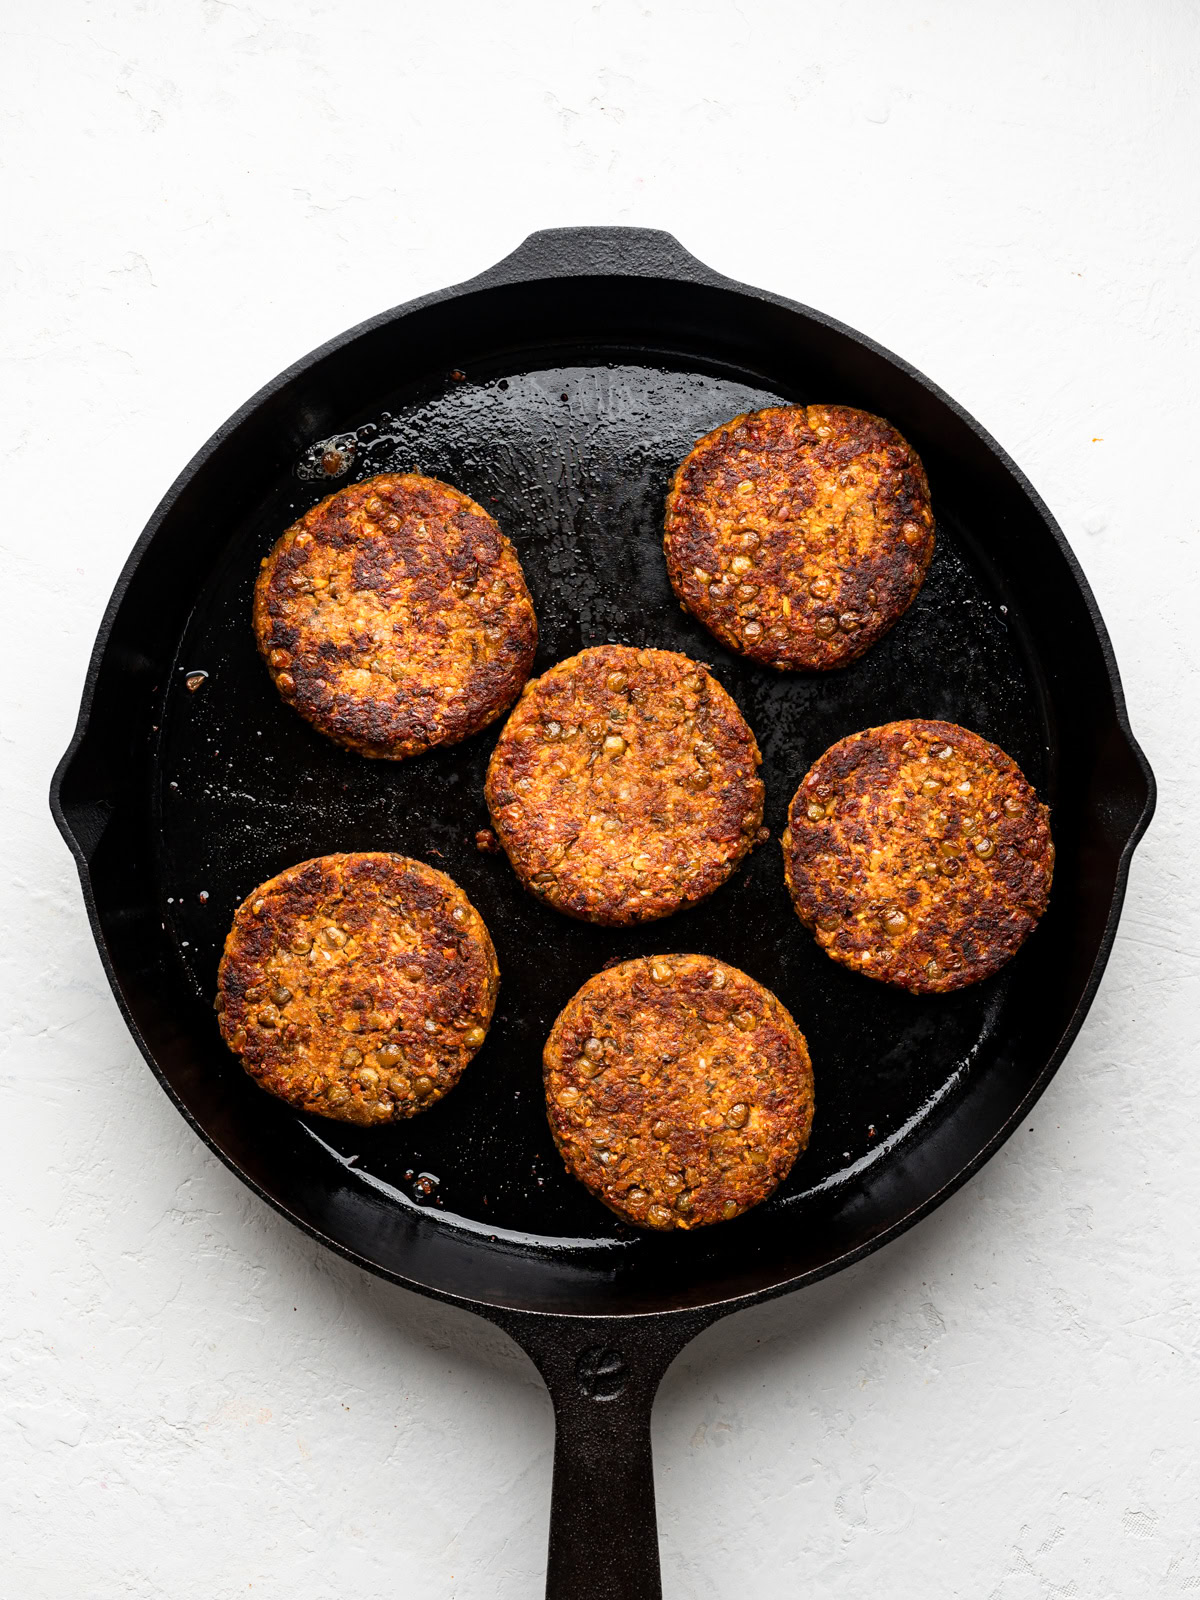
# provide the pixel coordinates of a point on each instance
(919, 854)
(625, 785)
(679, 1090)
(798, 535)
(357, 986)
(394, 616)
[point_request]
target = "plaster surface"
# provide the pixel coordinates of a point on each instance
(199, 1403)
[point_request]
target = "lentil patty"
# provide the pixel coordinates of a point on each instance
(679, 1091)
(625, 785)
(357, 986)
(394, 616)
(798, 535)
(919, 854)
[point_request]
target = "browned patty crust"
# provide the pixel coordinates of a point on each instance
(679, 1091)
(919, 854)
(394, 616)
(625, 785)
(798, 535)
(357, 986)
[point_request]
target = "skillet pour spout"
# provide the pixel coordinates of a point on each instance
(559, 390)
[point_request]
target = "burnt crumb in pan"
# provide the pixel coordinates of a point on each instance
(918, 854)
(394, 616)
(798, 535)
(625, 785)
(357, 986)
(678, 1090)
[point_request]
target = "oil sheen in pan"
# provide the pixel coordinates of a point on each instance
(574, 463)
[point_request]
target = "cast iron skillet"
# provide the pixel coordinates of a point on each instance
(560, 389)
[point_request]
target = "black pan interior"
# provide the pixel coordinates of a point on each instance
(570, 444)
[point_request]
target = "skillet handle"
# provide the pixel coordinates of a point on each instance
(598, 252)
(602, 1375)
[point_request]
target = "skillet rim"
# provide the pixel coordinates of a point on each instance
(632, 253)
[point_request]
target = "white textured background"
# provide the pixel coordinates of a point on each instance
(197, 1402)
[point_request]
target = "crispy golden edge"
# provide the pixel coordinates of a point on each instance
(381, 717)
(902, 875)
(678, 1090)
(849, 480)
(357, 986)
(693, 801)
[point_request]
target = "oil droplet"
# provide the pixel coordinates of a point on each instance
(426, 1187)
(328, 458)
